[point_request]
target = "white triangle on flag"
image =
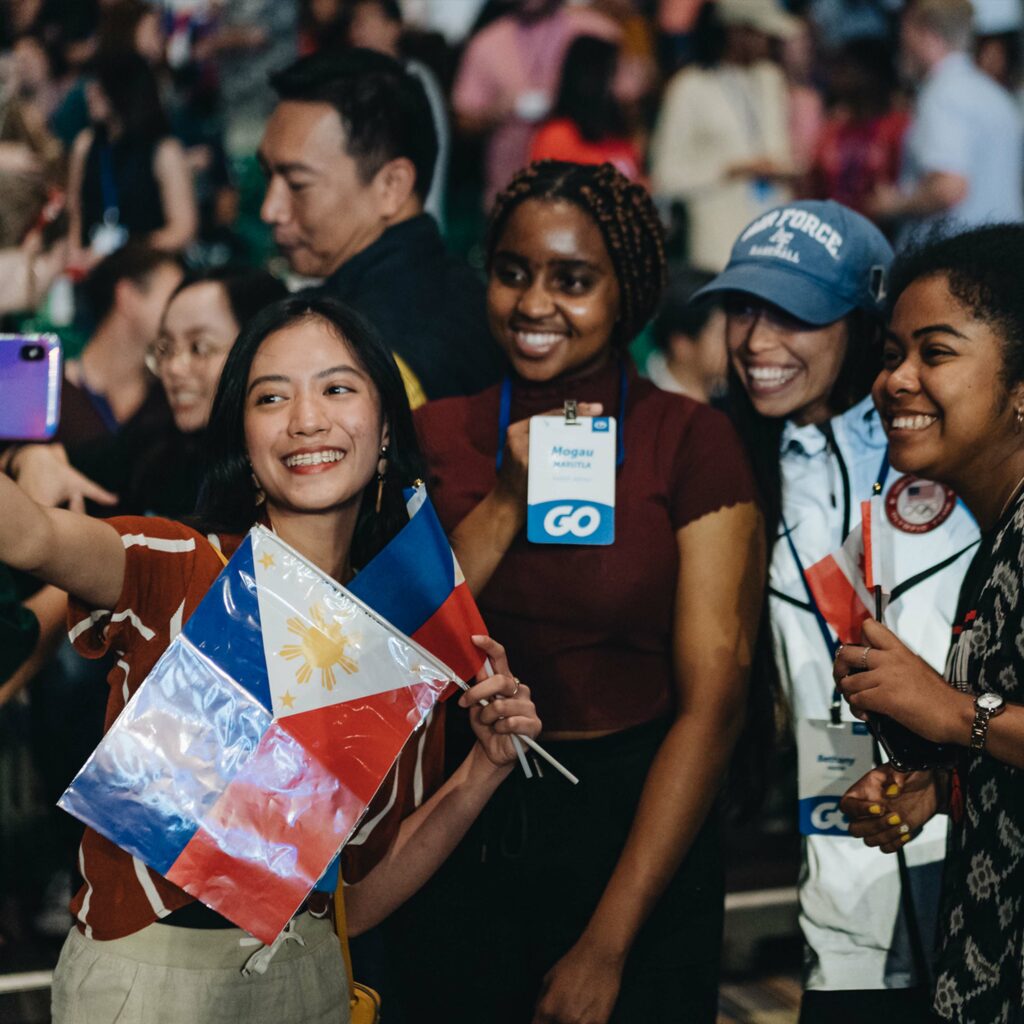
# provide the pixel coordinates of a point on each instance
(322, 645)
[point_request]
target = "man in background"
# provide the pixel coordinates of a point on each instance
(349, 156)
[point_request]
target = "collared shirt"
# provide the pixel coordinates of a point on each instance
(849, 895)
(429, 308)
(966, 124)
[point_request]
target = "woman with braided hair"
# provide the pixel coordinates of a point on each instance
(641, 648)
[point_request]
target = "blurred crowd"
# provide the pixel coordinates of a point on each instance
(166, 171)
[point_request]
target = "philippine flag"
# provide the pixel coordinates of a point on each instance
(247, 758)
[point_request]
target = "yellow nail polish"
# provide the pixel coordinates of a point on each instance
(893, 819)
(905, 839)
(893, 790)
(875, 809)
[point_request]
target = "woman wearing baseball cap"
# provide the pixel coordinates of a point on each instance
(804, 295)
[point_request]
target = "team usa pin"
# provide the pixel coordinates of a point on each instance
(918, 506)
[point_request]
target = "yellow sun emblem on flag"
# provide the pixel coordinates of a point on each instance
(321, 646)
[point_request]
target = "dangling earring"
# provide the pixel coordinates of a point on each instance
(260, 493)
(382, 471)
(1020, 419)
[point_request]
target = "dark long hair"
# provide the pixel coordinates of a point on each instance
(132, 90)
(756, 750)
(585, 94)
(227, 502)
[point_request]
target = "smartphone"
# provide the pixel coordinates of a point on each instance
(906, 751)
(31, 372)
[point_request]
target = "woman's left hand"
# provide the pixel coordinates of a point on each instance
(581, 988)
(509, 709)
(889, 679)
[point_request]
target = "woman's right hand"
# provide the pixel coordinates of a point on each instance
(514, 472)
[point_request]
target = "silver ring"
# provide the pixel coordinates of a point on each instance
(904, 829)
(864, 659)
(515, 690)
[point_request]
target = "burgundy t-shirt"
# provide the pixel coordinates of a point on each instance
(590, 628)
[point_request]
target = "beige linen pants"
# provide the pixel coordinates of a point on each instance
(169, 975)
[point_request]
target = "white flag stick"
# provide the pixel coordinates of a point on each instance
(516, 742)
(532, 744)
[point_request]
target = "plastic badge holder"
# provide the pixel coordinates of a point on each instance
(248, 757)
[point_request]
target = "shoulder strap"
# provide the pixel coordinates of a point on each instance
(341, 927)
(214, 542)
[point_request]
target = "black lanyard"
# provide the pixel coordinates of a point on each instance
(830, 642)
(505, 417)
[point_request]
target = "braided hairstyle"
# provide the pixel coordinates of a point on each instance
(625, 216)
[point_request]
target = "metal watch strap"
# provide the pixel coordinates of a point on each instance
(979, 728)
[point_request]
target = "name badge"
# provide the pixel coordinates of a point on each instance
(831, 758)
(571, 485)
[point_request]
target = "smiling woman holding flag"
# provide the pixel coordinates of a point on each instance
(804, 296)
(310, 434)
(951, 397)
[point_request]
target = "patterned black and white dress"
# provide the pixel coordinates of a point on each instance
(981, 962)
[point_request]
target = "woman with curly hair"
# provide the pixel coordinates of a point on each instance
(641, 648)
(951, 398)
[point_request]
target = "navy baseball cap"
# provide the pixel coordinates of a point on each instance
(817, 260)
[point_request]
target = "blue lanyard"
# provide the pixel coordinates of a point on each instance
(826, 633)
(505, 417)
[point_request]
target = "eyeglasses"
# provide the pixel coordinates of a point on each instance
(163, 351)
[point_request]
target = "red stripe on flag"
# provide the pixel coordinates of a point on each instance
(446, 634)
(283, 817)
(837, 599)
(359, 739)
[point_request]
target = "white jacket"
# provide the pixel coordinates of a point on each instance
(849, 893)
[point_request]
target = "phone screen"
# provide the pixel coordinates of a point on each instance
(31, 372)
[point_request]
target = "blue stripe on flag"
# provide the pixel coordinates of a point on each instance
(413, 576)
(226, 625)
(168, 757)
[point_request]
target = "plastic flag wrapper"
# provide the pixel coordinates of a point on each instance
(416, 583)
(248, 756)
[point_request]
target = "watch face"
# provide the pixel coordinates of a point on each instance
(990, 701)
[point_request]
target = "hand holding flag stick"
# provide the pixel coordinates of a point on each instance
(517, 740)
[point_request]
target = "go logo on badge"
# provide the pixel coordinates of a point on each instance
(564, 519)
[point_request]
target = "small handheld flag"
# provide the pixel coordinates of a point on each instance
(248, 756)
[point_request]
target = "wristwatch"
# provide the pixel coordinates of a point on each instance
(986, 707)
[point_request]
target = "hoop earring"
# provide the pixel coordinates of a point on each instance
(382, 472)
(261, 495)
